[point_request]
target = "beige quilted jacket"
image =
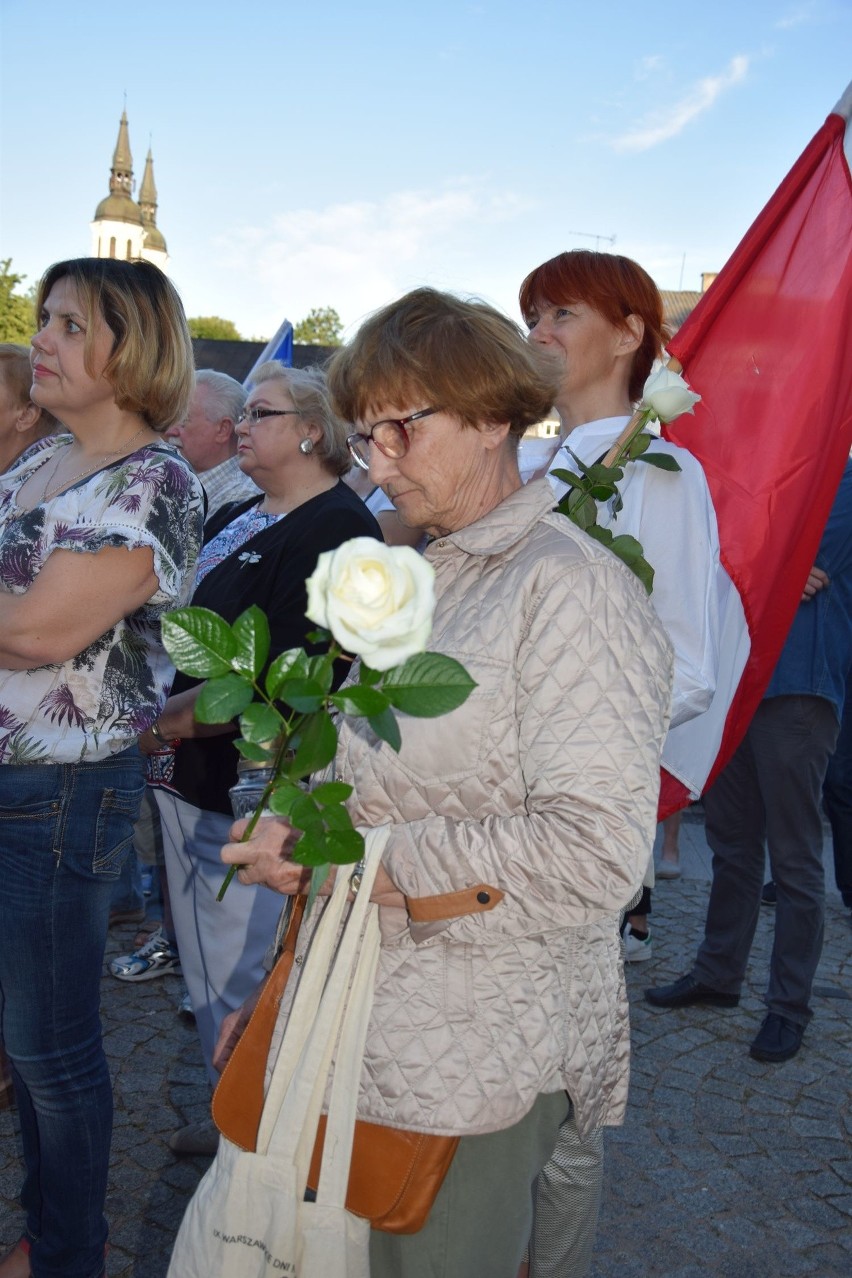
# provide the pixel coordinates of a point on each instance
(522, 825)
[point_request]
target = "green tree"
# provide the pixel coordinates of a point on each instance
(321, 327)
(17, 313)
(221, 330)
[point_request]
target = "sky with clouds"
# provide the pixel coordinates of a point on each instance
(337, 154)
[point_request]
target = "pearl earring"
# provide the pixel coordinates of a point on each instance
(306, 447)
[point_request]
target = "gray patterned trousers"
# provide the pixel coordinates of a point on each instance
(567, 1201)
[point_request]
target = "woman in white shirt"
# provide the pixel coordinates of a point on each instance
(601, 317)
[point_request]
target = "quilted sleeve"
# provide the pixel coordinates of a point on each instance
(593, 678)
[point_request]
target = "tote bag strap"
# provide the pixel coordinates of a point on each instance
(293, 1125)
(304, 1009)
(343, 1103)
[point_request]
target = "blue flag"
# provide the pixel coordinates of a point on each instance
(279, 347)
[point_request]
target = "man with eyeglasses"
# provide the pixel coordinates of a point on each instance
(207, 439)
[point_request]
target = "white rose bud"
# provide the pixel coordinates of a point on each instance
(667, 394)
(376, 600)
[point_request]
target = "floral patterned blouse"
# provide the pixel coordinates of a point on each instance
(98, 702)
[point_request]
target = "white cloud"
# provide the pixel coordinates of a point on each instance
(659, 126)
(355, 256)
(652, 64)
(795, 17)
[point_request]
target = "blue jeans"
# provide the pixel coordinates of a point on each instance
(64, 832)
(127, 891)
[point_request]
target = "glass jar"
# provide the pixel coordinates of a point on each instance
(252, 780)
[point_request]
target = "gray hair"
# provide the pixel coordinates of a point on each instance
(225, 396)
(308, 390)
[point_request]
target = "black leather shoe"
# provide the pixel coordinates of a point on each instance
(687, 991)
(777, 1039)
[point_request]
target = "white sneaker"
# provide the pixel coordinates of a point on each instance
(635, 949)
(155, 958)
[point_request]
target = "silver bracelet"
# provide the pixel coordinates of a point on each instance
(357, 876)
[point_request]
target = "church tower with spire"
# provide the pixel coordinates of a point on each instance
(153, 243)
(121, 227)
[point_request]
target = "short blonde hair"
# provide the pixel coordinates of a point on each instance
(17, 374)
(308, 389)
(431, 348)
(151, 368)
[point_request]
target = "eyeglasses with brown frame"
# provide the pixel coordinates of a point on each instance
(389, 435)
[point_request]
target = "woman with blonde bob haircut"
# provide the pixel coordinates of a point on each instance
(519, 824)
(99, 533)
(150, 366)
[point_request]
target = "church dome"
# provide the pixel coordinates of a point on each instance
(118, 207)
(155, 240)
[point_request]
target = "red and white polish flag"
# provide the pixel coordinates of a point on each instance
(769, 349)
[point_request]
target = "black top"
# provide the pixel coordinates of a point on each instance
(206, 767)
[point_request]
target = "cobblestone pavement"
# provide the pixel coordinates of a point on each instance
(725, 1166)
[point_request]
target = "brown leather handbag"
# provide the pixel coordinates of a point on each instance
(394, 1176)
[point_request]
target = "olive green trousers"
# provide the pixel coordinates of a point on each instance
(481, 1221)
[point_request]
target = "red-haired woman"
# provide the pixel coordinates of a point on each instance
(601, 317)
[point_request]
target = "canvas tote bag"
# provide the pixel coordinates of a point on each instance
(248, 1217)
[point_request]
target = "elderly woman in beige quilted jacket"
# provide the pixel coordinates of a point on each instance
(522, 822)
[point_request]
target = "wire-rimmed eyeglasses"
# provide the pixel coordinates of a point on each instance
(255, 415)
(389, 436)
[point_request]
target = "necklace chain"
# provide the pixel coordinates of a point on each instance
(51, 491)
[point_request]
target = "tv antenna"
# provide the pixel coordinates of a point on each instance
(589, 235)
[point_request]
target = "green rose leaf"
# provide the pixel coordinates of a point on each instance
(304, 695)
(257, 753)
(626, 547)
(567, 477)
(345, 847)
(259, 723)
(251, 630)
(317, 743)
(661, 460)
(304, 813)
(321, 670)
(428, 684)
(603, 535)
(283, 797)
(385, 726)
(629, 550)
(600, 474)
(313, 848)
(336, 817)
(579, 507)
(318, 636)
(368, 676)
(319, 874)
(223, 699)
(638, 445)
(292, 664)
(360, 700)
(199, 642)
(331, 792)
(340, 847)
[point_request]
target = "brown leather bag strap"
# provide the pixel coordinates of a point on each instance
(239, 1095)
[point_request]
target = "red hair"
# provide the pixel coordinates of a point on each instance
(613, 286)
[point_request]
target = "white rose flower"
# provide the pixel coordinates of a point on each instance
(667, 394)
(376, 600)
